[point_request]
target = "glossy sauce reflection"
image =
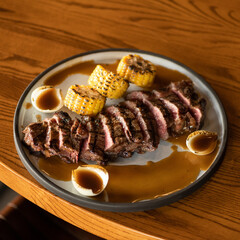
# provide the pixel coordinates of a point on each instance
(179, 141)
(56, 168)
(203, 142)
(48, 99)
(89, 180)
(134, 183)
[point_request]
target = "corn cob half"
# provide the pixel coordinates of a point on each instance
(137, 70)
(84, 100)
(107, 83)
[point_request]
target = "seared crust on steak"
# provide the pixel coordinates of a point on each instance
(147, 124)
(196, 104)
(161, 114)
(183, 121)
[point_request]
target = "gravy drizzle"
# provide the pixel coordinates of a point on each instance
(38, 118)
(149, 181)
(56, 168)
(85, 68)
(48, 99)
(27, 105)
(163, 76)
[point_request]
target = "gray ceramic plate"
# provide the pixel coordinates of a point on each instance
(215, 121)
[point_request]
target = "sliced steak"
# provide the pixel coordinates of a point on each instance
(52, 138)
(66, 146)
(56, 136)
(129, 122)
(183, 120)
(156, 107)
(115, 138)
(107, 130)
(78, 134)
(35, 135)
(91, 151)
(185, 91)
(146, 123)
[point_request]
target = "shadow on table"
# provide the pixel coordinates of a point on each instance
(21, 219)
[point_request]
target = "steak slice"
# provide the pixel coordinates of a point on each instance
(78, 134)
(51, 142)
(115, 138)
(130, 127)
(129, 122)
(185, 91)
(183, 120)
(35, 135)
(65, 143)
(91, 151)
(107, 130)
(146, 123)
(156, 107)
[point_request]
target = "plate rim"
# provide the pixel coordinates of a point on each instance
(106, 206)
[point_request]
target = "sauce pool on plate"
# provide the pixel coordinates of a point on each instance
(89, 180)
(48, 99)
(163, 75)
(202, 142)
(132, 183)
(27, 105)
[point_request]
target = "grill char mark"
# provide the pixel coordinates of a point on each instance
(90, 150)
(128, 121)
(160, 113)
(183, 120)
(185, 91)
(35, 135)
(146, 123)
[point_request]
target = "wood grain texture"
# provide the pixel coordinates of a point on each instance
(204, 35)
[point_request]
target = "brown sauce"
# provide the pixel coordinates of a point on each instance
(48, 99)
(134, 183)
(89, 180)
(56, 168)
(203, 142)
(149, 181)
(82, 67)
(27, 105)
(179, 141)
(163, 76)
(39, 118)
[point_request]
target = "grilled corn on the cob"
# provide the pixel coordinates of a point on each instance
(137, 70)
(107, 83)
(84, 100)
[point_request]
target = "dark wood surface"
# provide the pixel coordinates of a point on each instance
(204, 35)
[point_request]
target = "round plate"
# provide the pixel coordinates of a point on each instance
(215, 121)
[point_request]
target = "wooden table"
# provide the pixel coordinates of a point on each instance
(204, 35)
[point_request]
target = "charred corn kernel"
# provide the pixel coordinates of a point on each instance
(84, 100)
(107, 83)
(137, 70)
